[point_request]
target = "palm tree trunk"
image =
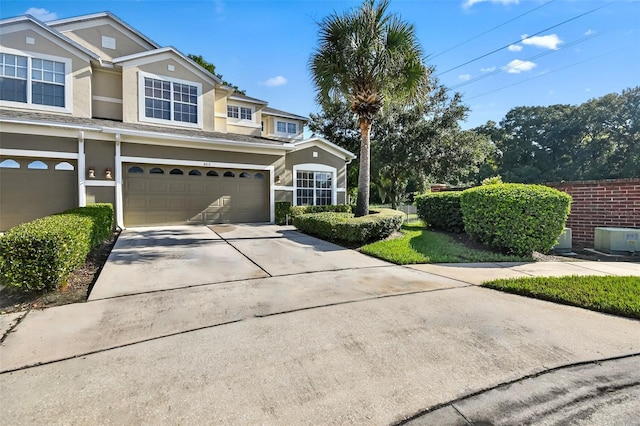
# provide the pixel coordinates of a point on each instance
(364, 174)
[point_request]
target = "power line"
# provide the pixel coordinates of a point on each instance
(545, 74)
(489, 30)
(492, 73)
(528, 37)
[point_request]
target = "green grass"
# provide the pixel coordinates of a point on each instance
(419, 245)
(609, 294)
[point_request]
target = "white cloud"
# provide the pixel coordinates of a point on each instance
(464, 77)
(589, 32)
(490, 69)
(514, 48)
(468, 3)
(517, 66)
(275, 81)
(550, 41)
(41, 14)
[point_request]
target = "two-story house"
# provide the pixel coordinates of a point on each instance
(91, 110)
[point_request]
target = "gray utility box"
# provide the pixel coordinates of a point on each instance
(617, 240)
(564, 241)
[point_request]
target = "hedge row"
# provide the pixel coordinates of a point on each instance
(515, 217)
(335, 226)
(284, 209)
(41, 254)
(441, 210)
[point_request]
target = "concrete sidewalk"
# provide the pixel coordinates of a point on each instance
(372, 343)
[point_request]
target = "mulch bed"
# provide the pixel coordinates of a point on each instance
(76, 290)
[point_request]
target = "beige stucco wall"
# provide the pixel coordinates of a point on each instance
(244, 127)
(91, 38)
(107, 94)
(270, 128)
(80, 66)
(130, 90)
(101, 194)
(100, 155)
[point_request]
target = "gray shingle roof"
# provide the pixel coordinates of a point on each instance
(63, 120)
(281, 113)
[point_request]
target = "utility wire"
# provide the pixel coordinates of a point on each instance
(545, 74)
(539, 55)
(489, 30)
(528, 37)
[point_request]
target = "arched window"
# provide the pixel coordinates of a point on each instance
(39, 165)
(229, 174)
(9, 164)
(259, 176)
(135, 169)
(245, 175)
(156, 171)
(195, 173)
(176, 172)
(63, 165)
(212, 173)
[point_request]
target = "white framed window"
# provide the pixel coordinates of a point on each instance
(281, 127)
(292, 128)
(35, 81)
(314, 185)
(246, 113)
(286, 128)
(233, 111)
(166, 99)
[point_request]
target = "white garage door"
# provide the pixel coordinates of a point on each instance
(165, 195)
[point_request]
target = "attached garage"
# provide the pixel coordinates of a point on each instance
(165, 194)
(35, 187)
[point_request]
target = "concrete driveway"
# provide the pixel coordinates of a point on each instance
(264, 325)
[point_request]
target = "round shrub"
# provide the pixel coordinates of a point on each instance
(513, 217)
(441, 210)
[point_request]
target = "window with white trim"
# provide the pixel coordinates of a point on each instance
(281, 127)
(32, 80)
(292, 128)
(314, 188)
(246, 113)
(165, 99)
(286, 127)
(233, 111)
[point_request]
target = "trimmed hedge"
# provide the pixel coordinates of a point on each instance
(282, 210)
(513, 217)
(295, 211)
(345, 227)
(41, 254)
(441, 210)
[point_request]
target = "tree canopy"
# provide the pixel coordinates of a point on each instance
(198, 59)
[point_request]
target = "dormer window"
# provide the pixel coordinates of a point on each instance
(31, 80)
(233, 111)
(246, 113)
(286, 128)
(165, 99)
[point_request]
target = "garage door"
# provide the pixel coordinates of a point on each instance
(165, 195)
(31, 188)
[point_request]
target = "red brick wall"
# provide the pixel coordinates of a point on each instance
(614, 202)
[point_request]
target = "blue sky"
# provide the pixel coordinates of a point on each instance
(264, 46)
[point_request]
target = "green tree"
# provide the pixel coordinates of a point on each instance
(369, 58)
(198, 59)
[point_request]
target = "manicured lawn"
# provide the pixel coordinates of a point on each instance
(419, 245)
(613, 295)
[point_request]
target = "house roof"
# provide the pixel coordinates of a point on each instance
(93, 16)
(316, 141)
(245, 98)
(280, 113)
(52, 31)
(8, 115)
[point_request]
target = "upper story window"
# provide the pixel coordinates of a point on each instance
(233, 111)
(284, 127)
(31, 80)
(170, 100)
(246, 113)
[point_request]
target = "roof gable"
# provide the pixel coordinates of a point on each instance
(329, 146)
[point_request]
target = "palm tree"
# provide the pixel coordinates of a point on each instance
(368, 58)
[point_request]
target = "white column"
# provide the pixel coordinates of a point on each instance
(272, 196)
(82, 189)
(118, 172)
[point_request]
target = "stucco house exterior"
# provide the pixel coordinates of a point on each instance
(91, 110)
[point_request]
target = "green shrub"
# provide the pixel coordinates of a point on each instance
(333, 226)
(441, 210)
(295, 211)
(516, 218)
(282, 210)
(494, 180)
(41, 254)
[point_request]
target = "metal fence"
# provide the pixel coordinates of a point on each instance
(410, 211)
